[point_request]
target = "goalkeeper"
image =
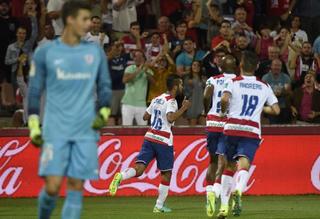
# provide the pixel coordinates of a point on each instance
(68, 70)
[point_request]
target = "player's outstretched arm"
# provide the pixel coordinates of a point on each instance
(273, 110)
(173, 116)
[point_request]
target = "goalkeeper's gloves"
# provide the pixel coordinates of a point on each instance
(35, 131)
(102, 118)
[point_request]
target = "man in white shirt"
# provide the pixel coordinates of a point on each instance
(54, 13)
(95, 35)
(124, 13)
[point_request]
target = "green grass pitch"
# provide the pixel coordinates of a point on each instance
(187, 207)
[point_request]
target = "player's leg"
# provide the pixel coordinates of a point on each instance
(48, 196)
(139, 112)
(72, 206)
(127, 115)
(227, 175)
(245, 153)
(53, 163)
(165, 158)
(211, 194)
(144, 157)
(83, 165)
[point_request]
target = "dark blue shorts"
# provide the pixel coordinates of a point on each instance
(163, 154)
(241, 147)
(216, 143)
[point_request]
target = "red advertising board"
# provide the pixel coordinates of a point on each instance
(284, 164)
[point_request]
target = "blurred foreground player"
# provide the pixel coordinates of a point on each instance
(68, 70)
(158, 142)
(244, 97)
(215, 124)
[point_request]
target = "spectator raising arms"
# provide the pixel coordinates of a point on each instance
(303, 62)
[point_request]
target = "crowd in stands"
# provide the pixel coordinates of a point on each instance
(146, 40)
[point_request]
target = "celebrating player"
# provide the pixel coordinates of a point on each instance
(68, 70)
(244, 97)
(158, 141)
(215, 138)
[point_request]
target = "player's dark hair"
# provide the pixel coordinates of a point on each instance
(71, 8)
(172, 80)
(249, 61)
(95, 17)
(134, 23)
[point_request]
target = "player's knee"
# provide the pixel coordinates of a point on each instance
(213, 159)
(166, 176)
(75, 184)
(52, 189)
(139, 169)
(243, 163)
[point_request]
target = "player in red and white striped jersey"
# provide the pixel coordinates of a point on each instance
(158, 142)
(244, 97)
(214, 128)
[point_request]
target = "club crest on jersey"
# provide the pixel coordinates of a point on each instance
(89, 59)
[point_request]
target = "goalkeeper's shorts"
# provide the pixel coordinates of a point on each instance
(75, 159)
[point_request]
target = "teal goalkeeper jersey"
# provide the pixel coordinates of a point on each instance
(70, 76)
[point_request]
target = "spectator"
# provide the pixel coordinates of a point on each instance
(280, 8)
(154, 48)
(189, 54)
(213, 62)
(162, 66)
(193, 17)
(165, 27)
(280, 84)
(264, 41)
(117, 63)
(8, 27)
(194, 84)
(298, 34)
(265, 65)
(21, 47)
(123, 14)
(134, 40)
(305, 102)
(95, 35)
(106, 16)
(241, 45)
(215, 20)
(181, 35)
(249, 6)
(223, 40)
(303, 62)
(309, 12)
(240, 27)
(282, 40)
(48, 34)
(54, 13)
(136, 78)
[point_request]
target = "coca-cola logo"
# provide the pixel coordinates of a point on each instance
(188, 177)
(9, 176)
